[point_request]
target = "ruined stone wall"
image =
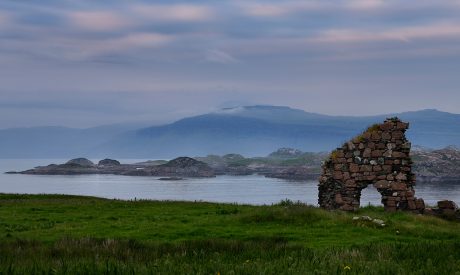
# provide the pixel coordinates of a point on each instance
(379, 156)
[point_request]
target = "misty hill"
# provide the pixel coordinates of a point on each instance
(258, 130)
(251, 131)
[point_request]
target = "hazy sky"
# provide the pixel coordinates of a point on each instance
(83, 62)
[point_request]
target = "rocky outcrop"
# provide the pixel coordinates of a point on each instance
(437, 165)
(379, 156)
(108, 162)
(80, 161)
(183, 167)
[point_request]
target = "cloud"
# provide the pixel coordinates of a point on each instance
(280, 9)
(365, 4)
(82, 49)
(222, 57)
(98, 20)
(405, 34)
(175, 13)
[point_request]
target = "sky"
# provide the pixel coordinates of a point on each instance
(83, 63)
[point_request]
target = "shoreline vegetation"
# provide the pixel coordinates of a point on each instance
(62, 234)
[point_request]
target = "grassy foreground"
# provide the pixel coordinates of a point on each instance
(84, 235)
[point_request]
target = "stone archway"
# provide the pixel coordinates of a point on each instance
(379, 156)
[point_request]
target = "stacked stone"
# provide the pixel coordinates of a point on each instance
(379, 156)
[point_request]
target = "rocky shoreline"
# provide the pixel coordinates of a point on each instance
(430, 166)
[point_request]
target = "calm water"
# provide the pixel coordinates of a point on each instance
(253, 189)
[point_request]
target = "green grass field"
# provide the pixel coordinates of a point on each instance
(83, 235)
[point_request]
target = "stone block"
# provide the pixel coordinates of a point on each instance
(367, 153)
(376, 153)
(350, 183)
(397, 154)
(398, 186)
(351, 146)
(411, 205)
(401, 177)
(402, 126)
(386, 136)
(353, 168)
(365, 168)
(388, 153)
(446, 204)
(338, 199)
(420, 204)
(382, 184)
(386, 126)
(387, 168)
(338, 175)
(391, 203)
(397, 135)
(380, 146)
(371, 177)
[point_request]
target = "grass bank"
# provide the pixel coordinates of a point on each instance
(71, 234)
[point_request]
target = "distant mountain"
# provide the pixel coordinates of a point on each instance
(251, 131)
(258, 130)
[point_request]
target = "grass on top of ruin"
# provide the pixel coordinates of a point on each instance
(86, 234)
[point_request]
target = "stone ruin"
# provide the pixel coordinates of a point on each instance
(379, 156)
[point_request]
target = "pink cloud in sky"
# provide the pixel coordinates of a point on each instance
(435, 30)
(98, 20)
(175, 13)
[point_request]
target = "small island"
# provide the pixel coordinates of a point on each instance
(173, 170)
